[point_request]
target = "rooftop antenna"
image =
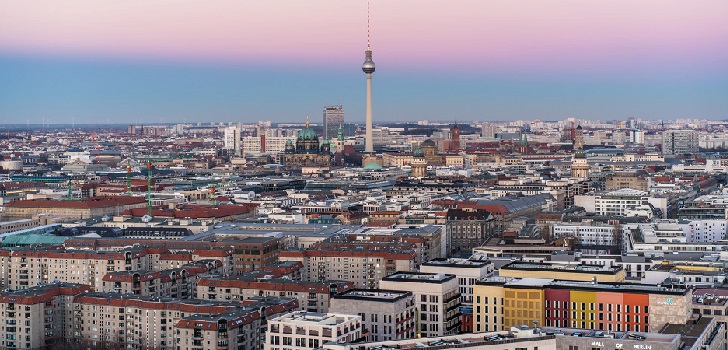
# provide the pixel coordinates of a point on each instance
(369, 46)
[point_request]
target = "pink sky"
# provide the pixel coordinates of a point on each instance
(471, 34)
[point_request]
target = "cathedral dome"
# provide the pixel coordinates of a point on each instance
(307, 134)
(428, 143)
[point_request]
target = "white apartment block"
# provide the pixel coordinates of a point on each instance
(302, 330)
(232, 139)
(679, 142)
(622, 202)
(386, 314)
(704, 231)
(586, 234)
(436, 297)
(467, 272)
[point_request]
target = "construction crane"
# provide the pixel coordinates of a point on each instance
(149, 186)
(128, 176)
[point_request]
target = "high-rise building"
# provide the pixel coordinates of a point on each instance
(679, 142)
(333, 119)
(232, 140)
(437, 297)
(637, 136)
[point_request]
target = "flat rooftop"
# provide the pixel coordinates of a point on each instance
(419, 277)
(460, 263)
(581, 268)
(304, 317)
(379, 295)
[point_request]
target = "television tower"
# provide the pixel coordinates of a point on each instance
(368, 68)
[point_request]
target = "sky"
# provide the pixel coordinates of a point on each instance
(167, 61)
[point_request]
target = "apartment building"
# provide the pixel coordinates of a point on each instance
(312, 296)
(173, 283)
(304, 330)
(364, 268)
(468, 228)
(39, 317)
(254, 253)
(385, 314)
(52, 315)
(467, 272)
(676, 142)
(436, 298)
(502, 302)
(31, 267)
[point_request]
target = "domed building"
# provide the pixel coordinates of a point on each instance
(307, 151)
(419, 164)
(432, 154)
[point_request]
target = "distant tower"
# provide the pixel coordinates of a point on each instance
(419, 164)
(333, 119)
(368, 68)
(579, 165)
(455, 138)
(578, 138)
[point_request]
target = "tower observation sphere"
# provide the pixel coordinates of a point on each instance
(368, 66)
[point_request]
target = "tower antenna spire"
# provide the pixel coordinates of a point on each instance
(369, 46)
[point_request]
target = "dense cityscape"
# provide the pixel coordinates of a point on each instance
(534, 234)
(351, 230)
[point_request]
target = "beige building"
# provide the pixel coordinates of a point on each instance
(386, 314)
(51, 315)
(436, 298)
(364, 268)
(302, 330)
(626, 179)
(312, 296)
(89, 207)
(25, 268)
(173, 283)
(27, 314)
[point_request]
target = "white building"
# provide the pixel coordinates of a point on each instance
(305, 330)
(467, 272)
(385, 314)
(436, 297)
(679, 142)
(637, 136)
(704, 231)
(232, 140)
(620, 202)
(586, 234)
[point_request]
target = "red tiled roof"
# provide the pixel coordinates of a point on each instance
(90, 203)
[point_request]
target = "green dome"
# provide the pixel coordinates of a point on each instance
(372, 166)
(418, 152)
(289, 142)
(307, 134)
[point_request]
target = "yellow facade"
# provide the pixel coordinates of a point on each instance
(522, 306)
(488, 308)
(583, 309)
(564, 275)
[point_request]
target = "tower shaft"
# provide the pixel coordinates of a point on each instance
(369, 144)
